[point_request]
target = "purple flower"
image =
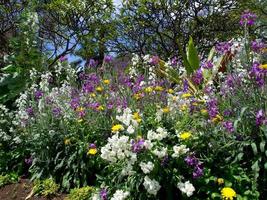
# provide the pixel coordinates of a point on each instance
(56, 111)
(154, 60)
(92, 146)
(257, 46)
(174, 61)
(223, 47)
(108, 59)
(212, 108)
(191, 160)
(88, 87)
(227, 112)
(198, 77)
(92, 63)
(258, 73)
(63, 58)
(228, 125)
(137, 146)
(104, 194)
(30, 111)
(185, 85)
(28, 161)
(207, 65)
(260, 118)
(75, 103)
(38, 94)
(247, 18)
(198, 171)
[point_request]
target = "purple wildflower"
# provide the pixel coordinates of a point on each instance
(257, 46)
(260, 118)
(154, 60)
(174, 61)
(207, 65)
(198, 77)
(247, 18)
(138, 145)
(63, 58)
(198, 171)
(56, 111)
(104, 194)
(92, 63)
(212, 108)
(28, 161)
(30, 112)
(258, 73)
(228, 125)
(191, 160)
(227, 112)
(38, 94)
(75, 103)
(185, 85)
(108, 59)
(223, 47)
(92, 146)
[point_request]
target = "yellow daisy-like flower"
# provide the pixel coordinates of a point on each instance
(204, 112)
(148, 89)
(217, 119)
(186, 95)
(137, 117)
(67, 141)
(137, 96)
(159, 88)
(166, 110)
(100, 108)
(92, 95)
(116, 128)
(106, 81)
(92, 151)
(170, 91)
(263, 66)
(185, 135)
(220, 181)
(228, 193)
(80, 109)
(99, 89)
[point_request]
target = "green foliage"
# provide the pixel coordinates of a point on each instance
(8, 179)
(45, 187)
(83, 193)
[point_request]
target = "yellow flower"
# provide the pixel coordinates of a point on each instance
(228, 193)
(170, 91)
(80, 109)
(166, 110)
(158, 88)
(80, 120)
(217, 119)
(194, 103)
(185, 135)
(263, 66)
(137, 117)
(99, 89)
(148, 89)
(220, 181)
(67, 141)
(186, 95)
(116, 128)
(137, 96)
(204, 112)
(183, 107)
(92, 151)
(100, 108)
(106, 81)
(92, 95)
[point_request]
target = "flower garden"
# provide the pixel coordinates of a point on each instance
(193, 127)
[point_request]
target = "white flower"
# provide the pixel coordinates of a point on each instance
(152, 186)
(148, 144)
(160, 153)
(179, 150)
(186, 188)
(120, 195)
(130, 129)
(160, 134)
(147, 167)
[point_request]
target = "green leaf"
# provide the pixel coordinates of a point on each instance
(192, 55)
(254, 148)
(262, 145)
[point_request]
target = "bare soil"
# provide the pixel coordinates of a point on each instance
(20, 190)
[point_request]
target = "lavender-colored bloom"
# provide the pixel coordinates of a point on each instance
(94, 105)
(258, 73)
(88, 87)
(137, 146)
(223, 47)
(28, 161)
(228, 125)
(104, 194)
(247, 18)
(191, 160)
(154, 60)
(92, 63)
(185, 85)
(227, 113)
(30, 112)
(198, 171)
(56, 111)
(198, 77)
(63, 58)
(212, 108)
(207, 65)
(108, 59)
(257, 46)
(92, 146)
(174, 61)
(260, 117)
(75, 103)
(38, 94)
